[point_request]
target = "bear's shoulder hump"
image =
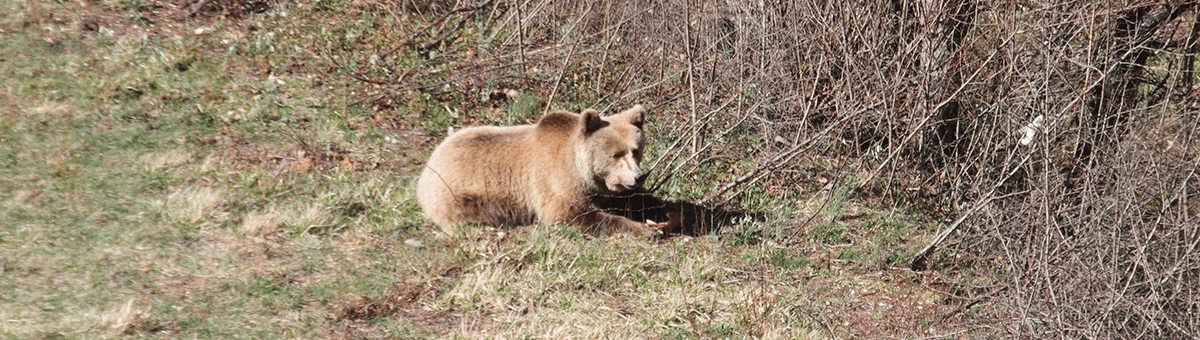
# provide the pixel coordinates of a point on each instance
(558, 121)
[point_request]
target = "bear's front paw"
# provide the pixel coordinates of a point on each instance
(671, 226)
(648, 229)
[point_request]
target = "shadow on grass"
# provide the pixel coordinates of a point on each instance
(640, 205)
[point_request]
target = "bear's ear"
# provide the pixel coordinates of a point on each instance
(637, 115)
(591, 121)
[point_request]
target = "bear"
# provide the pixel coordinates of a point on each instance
(546, 172)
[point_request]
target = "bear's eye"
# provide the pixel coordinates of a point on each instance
(619, 154)
(637, 153)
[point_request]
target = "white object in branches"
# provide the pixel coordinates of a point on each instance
(1028, 131)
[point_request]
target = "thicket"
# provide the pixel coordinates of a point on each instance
(1057, 138)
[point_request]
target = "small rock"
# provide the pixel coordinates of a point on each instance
(712, 238)
(412, 242)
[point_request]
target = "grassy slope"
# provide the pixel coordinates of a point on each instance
(186, 180)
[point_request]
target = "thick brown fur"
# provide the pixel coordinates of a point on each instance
(546, 172)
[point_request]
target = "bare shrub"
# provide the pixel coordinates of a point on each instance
(1062, 136)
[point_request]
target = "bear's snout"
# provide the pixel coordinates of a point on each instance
(621, 183)
(619, 187)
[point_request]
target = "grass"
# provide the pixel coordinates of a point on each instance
(202, 179)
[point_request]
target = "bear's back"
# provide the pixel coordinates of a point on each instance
(487, 137)
(484, 174)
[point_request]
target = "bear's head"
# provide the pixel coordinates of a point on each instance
(611, 148)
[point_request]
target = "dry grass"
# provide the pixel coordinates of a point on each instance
(122, 319)
(165, 160)
(196, 205)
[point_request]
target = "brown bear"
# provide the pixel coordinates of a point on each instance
(546, 172)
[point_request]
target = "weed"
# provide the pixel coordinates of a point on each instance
(782, 259)
(829, 233)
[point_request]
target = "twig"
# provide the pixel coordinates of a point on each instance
(921, 260)
(782, 157)
(687, 44)
(832, 187)
(196, 10)
(432, 85)
(557, 80)
(676, 142)
(413, 36)
(521, 40)
(937, 107)
(630, 93)
(966, 306)
(566, 63)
